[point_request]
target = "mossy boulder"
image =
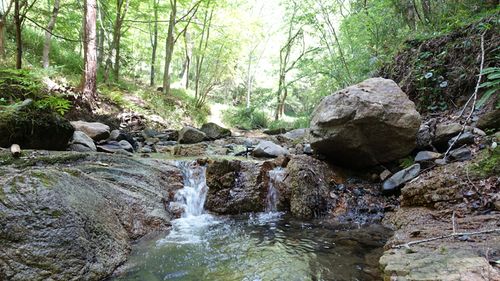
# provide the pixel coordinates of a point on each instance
(33, 128)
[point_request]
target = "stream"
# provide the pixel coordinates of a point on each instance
(252, 247)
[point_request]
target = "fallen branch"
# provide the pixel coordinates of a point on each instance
(472, 98)
(407, 245)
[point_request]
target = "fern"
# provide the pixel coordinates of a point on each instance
(492, 85)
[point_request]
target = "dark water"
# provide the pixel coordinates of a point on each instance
(257, 247)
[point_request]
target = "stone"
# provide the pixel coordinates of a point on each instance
(440, 162)
(424, 138)
(191, 150)
(490, 120)
(444, 132)
(80, 148)
(277, 131)
(479, 132)
(234, 187)
(190, 135)
(78, 215)
(126, 145)
(149, 133)
(81, 138)
(112, 147)
(426, 156)
(96, 131)
(461, 154)
(308, 182)
(168, 135)
(34, 129)
(385, 175)
(366, 124)
(401, 177)
(297, 134)
(268, 149)
(117, 135)
(214, 131)
(464, 139)
(308, 149)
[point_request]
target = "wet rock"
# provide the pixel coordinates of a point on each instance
(440, 162)
(190, 135)
(373, 121)
(76, 219)
(32, 128)
(214, 131)
(277, 131)
(96, 131)
(444, 132)
(149, 133)
(308, 180)
(401, 177)
(80, 138)
(461, 154)
(449, 265)
(268, 149)
(426, 156)
(190, 150)
(463, 139)
(234, 187)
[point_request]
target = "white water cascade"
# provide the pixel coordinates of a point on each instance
(192, 196)
(276, 176)
(194, 222)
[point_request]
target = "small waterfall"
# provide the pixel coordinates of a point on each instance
(276, 176)
(192, 197)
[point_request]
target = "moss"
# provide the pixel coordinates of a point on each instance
(488, 164)
(56, 213)
(73, 172)
(42, 177)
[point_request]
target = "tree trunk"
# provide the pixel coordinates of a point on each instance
(19, 43)
(48, 35)
(154, 45)
(249, 79)
(89, 76)
(169, 48)
(100, 44)
(184, 75)
(2, 38)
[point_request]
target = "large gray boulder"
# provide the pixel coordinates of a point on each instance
(81, 142)
(96, 131)
(366, 124)
(268, 149)
(190, 135)
(214, 131)
(70, 216)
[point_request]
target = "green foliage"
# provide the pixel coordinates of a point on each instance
(406, 162)
(492, 85)
(244, 118)
(488, 163)
(17, 85)
(54, 103)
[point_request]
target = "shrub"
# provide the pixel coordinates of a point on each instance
(244, 118)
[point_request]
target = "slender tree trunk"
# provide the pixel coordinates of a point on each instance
(169, 48)
(100, 44)
(249, 79)
(19, 43)
(48, 35)
(187, 61)
(154, 45)
(121, 12)
(2, 38)
(89, 77)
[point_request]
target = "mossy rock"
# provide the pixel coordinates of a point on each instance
(33, 128)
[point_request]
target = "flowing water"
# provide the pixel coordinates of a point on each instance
(264, 246)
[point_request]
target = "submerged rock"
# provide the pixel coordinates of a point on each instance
(366, 124)
(75, 219)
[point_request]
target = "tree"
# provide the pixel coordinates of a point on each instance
(121, 12)
(48, 34)
(154, 41)
(89, 77)
(3, 18)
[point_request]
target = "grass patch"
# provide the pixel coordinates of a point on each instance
(244, 118)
